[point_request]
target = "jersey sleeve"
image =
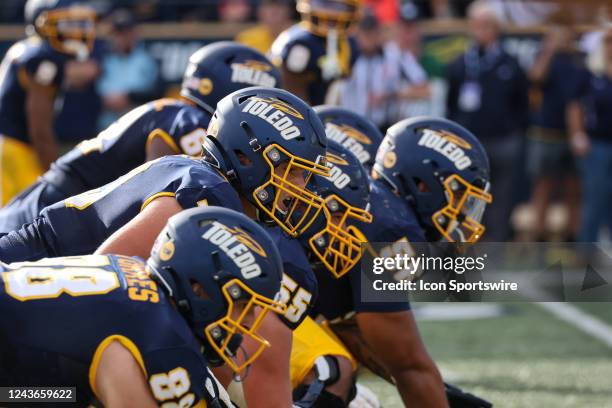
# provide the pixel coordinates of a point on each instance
(189, 130)
(293, 54)
(200, 189)
(180, 377)
(44, 69)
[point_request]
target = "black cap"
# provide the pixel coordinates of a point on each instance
(368, 22)
(122, 19)
(409, 12)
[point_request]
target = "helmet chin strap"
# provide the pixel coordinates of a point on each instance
(240, 378)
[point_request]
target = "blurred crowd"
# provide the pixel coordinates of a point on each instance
(545, 124)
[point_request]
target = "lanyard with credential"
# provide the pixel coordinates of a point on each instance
(475, 64)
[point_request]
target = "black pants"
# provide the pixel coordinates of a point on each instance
(503, 154)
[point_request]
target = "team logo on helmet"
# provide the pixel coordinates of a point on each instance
(389, 159)
(238, 246)
(448, 145)
(253, 72)
(350, 138)
(166, 251)
(205, 86)
(243, 237)
(276, 113)
(332, 158)
(355, 134)
(338, 177)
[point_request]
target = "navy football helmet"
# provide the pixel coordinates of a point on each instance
(224, 272)
(320, 16)
(356, 133)
(334, 237)
(268, 143)
(68, 25)
(221, 68)
(442, 170)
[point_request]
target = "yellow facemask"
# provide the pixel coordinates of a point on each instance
(243, 321)
(459, 220)
(289, 175)
(339, 15)
(70, 30)
(338, 245)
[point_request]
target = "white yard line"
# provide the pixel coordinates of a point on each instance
(581, 320)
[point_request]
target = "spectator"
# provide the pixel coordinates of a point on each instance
(488, 95)
(129, 74)
(413, 90)
(81, 105)
(590, 124)
(273, 17)
(234, 11)
(549, 160)
(371, 87)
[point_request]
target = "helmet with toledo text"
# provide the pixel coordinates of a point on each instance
(334, 238)
(268, 143)
(321, 16)
(223, 272)
(221, 68)
(68, 25)
(442, 170)
(354, 132)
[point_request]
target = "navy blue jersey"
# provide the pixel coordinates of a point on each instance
(301, 52)
(394, 222)
(122, 146)
(117, 150)
(79, 224)
(57, 316)
(299, 286)
(31, 59)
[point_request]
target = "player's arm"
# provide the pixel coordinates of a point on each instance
(295, 71)
(296, 83)
(120, 381)
(136, 238)
(39, 111)
(268, 382)
(394, 338)
(157, 147)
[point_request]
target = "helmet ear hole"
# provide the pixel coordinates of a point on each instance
(243, 98)
(243, 158)
(199, 290)
(420, 185)
(204, 223)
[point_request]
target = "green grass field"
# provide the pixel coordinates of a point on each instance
(526, 357)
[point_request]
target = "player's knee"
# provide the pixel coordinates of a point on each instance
(330, 384)
(346, 379)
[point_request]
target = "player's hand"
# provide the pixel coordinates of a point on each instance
(580, 144)
(365, 398)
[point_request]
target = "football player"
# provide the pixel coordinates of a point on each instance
(162, 127)
(211, 278)
(263, 145)
(357, 134)
(31, 75)
(319, 50)
(437, 191)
